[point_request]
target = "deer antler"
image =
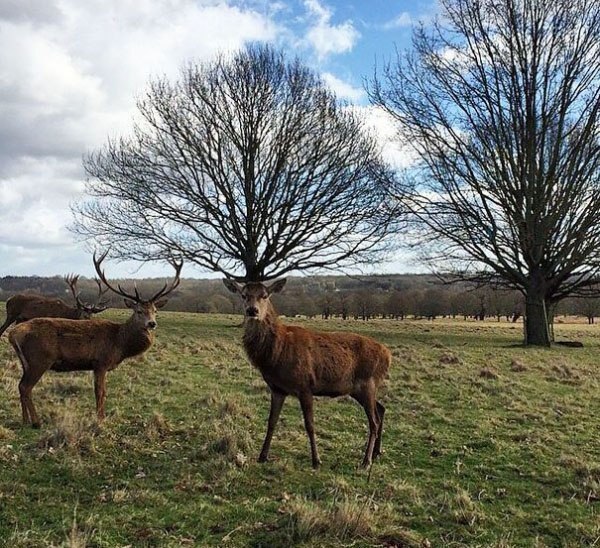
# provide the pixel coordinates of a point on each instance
(119, 290)
(177, 265)
(71, 280)
(165, 290)
(101, 304)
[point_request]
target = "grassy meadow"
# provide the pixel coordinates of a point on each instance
(486, 443)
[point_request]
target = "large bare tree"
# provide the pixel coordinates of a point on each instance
(501, 99)
(247, 165)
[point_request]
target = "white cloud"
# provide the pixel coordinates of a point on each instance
(69, 75)
(343, 89)
(325, 37)
(385, 129)
(402, 20)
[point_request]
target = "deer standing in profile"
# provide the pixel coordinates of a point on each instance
(94, 345)
(26, 306)
(305, 363)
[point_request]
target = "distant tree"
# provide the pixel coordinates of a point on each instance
(363, 304)
(308, 306)
(327, 305)
(344, 304)
(219, 304)
(397, 304)
(247, 166)
(588, 307)
(433, 303)
(500, 99)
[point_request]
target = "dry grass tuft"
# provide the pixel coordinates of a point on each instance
(488, 373)
(402, 490)
(158, 427)
(6, 433)
(449, 358)
(232, 441)
(588, 474)
(343, 519)
(71, 431)
(461, 507)
(232, 407)
(79, 537)
(517, 366)
(563, 371)
(403, 538)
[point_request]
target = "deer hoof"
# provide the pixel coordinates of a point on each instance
(262, 458)
(316, 463)
(35, 425)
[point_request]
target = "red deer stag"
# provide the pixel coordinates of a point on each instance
(95, 345)
(26, 306)
(305, 363)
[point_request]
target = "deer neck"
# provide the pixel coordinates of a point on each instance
(134, 339)
(262, 340)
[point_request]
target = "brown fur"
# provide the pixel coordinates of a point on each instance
(69, 345)
(95, 345)
(24, 307)
(305, 363)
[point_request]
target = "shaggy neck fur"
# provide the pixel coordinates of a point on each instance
(134, 339)
(262, 341)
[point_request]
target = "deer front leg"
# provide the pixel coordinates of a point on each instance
(277, 399)
(100, 391)
(306, 402)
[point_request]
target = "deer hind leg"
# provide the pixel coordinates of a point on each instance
(366, 397)
(306, 402)
(277, 399)
(100, 392)
(28, 381)
(380, 414)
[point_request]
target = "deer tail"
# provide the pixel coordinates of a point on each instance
(15, 344)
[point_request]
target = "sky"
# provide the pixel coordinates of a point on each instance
(70, 71)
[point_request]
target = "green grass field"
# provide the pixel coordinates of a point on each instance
(486, 443)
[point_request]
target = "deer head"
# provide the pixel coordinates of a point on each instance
(256, 296)
(144, 310)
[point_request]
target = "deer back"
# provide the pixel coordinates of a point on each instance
(293, 357)
(71, 343)
(25, 307)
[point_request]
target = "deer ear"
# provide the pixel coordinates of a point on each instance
(276, 286)
(232, 285)
(129, 303)
(161, 303)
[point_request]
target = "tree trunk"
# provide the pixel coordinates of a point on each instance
(537, 331)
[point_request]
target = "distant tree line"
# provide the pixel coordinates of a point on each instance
(394, 297)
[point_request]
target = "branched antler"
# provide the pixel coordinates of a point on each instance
(164, 291)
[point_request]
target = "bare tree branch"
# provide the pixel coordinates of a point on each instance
(501, 101)
(246, 166)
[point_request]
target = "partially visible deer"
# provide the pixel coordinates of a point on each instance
(26, 306)
(95, 345)
(305, 363)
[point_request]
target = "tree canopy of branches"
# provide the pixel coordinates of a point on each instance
(500, 99)
(247, 165)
